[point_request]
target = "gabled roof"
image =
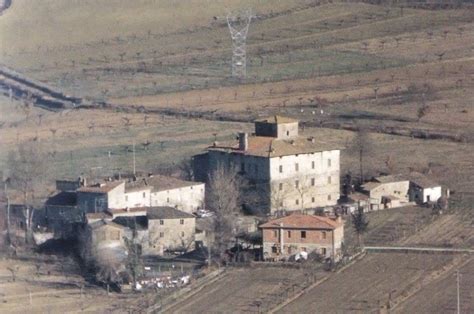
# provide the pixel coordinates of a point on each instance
(134, 223)
(390, 178)
(263, 146)
(167, 213)
(123, 212)
(158, 183)
(369, 186)
(98, 216)
(422, 181)
(62, 199)
(300, 221)
(101, 188)
(103, 223)
(277, 119)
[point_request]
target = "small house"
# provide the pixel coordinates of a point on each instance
(424, 190)
(169, 229)
(296, 233)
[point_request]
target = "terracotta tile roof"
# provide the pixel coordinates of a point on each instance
(422, 181)
(158, 183)
(277, 119)
(98, 216)
(390, 178)
(300, 221)
(102, 223)
(369, 186)
(124, 211)
(165, 212)
(358, 197)
(263, 146)
(100, 188)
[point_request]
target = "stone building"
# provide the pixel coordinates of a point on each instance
(387, 192)
(169, 229)
(101, 196)
(290, 235)
(290, 172)
(158, 190)
(75, 199)
(423, 190)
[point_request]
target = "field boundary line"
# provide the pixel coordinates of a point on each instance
(428, 250)
(187, 292)
(431, 278)
(317, 283)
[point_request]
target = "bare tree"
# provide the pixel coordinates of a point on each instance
(422, 111)
(360, 224)
(14, 270)
(28, 167)
(223, 198)
(362, 146)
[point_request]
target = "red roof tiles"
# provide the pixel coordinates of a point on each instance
(300, 221)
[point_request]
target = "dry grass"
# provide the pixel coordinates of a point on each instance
(366, 286)
(52, 289)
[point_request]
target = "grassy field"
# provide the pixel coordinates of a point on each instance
(99, 143)
(53, 288)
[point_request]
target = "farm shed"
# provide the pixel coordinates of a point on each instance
(424, 190)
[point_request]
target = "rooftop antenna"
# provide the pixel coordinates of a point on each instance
(239, 26)
(134, 159)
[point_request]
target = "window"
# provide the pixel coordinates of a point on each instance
(287, 133)
(280, 186)
(323, 235)
(329, 180)
(313, 199)
(289, 233)
(182, 233)
(329, 162)
(144, 194)
(297, 167)
(297, 202)
(323, 251)
(162, 222)
(281, 203)
(281, 169)
(313, 164)
(297, 184)
(181, 221)
(275, 233)
(162, 234)
(274, 249)
(313, 181)
(167, 200)
(303, 234)
(329, 197)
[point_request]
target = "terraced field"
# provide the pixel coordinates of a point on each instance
(375, 282)
(440, 296)
(248, 290)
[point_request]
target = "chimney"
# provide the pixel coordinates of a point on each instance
(281, 238)
(243, 141)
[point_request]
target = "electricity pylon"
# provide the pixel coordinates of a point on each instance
(239, 27)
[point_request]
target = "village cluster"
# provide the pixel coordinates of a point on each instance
(298, 182)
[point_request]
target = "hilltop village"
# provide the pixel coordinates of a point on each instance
(271, 196)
